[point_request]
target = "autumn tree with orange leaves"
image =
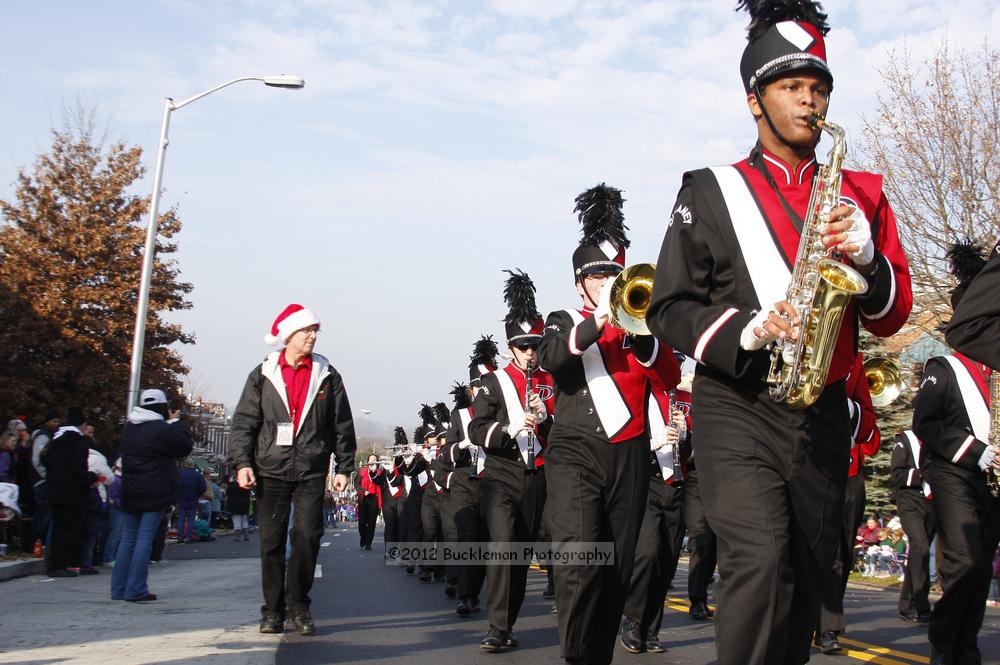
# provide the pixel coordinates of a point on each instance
(71, 245)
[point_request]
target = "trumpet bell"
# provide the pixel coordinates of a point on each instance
(631, 293)
(885, 382)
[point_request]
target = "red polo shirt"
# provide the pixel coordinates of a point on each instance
(296, 384)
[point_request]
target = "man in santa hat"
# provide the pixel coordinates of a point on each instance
(292, 416)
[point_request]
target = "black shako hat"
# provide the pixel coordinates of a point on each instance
(428, 426)
(602, 247)
(523, 323)
(966, 260)
(460, 393)
(483, 359)
(784, 35)
(442, 414)
(399, 437)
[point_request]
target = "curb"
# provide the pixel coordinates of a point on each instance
(15, 569)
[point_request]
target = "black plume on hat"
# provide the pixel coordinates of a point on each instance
(418, 434)
(764, 14)
(602, 247)
(966, 259)
(426, 414)
(442, 413)
(460, 393)
(783, 35)
(400, 435)
(483, 359)
(523, 323)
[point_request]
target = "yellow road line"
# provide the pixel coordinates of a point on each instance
(886, 650)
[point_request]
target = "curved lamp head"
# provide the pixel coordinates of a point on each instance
(285, 81)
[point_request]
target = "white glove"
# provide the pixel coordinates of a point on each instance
(604, 300)
(860, 234)
(986, 459)
(387, 466)
(658, 440)
(748, 338)
(465, 445)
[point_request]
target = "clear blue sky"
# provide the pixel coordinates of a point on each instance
(435, 144)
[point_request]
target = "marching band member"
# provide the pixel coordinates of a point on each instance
(702, 543)
(772, 477)
(430, 509)
(393, 491)
(916, 512)
(975, 327)
(441, 474)
(661, 536)
(510, 424)
(369, 489)
(415, 478)
(597, 457)
(951, 417)
(865, 441)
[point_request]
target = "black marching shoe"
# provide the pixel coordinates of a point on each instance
(450, 590)
(915, 617)
(494, 640)
(272, 623)
(699, 610)
(425, 577)
(474, 602)
(509, 640)
(827, 642)
(938, 658)
(550, 591)
(631, 639)
(653, 644)
(303, 622)
(464, 608)
(409, 570)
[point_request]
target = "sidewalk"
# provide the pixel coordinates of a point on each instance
(207, 612)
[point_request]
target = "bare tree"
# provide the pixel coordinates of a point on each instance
(935, 138)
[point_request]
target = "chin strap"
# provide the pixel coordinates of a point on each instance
(586, 294)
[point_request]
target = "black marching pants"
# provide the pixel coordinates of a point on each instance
(702, 543)
(470, 527)
(411, 528)
(449, 532)
(660, 540)
(831, 614)
(390, 515)
(772, 481)
(968, 525)
(596, 493)
(367, 519)
(430, 518)
(286, 586)
(512, 503)
(917, 515)
(69, 525)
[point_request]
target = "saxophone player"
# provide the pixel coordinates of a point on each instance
(772, 477)
(951, 415)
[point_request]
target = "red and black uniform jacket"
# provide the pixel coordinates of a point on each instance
(907, 461)
(602, 378)
(371, 483)
(951, 414)
(865, 435)
(975, 327)
(391, 484)
(499, 404)
(325, 425)
(729, 251)
(659, 417)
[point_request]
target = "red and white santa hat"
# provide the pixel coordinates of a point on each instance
(292, 318)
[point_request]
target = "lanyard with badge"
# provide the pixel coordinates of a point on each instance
(286, 433)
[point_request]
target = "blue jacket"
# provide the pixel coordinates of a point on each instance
(192, 486)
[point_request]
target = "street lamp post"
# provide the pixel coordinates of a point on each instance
(142, 307)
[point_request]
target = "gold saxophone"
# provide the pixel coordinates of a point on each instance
(994, 478)
(820, 290)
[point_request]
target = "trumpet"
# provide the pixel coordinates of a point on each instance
(631, 293)
(885, 382)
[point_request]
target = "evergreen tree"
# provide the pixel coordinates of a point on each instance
(71, 247)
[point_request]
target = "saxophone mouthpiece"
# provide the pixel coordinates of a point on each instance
(816, 120)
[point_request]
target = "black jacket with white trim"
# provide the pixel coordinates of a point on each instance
(907, 461)
(950, 414)
(326, 427)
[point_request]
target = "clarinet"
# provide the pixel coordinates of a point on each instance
(474, 469)
(676, 447)
(529, 466)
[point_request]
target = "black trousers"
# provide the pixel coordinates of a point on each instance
(831, 614)
(660, 541)
(69, 526)
(449, 532)
(596, 493)
(702, 543)
(772, 481)
(512, 503)
(968, 527)
(411, 528)
(367, 519)
(287, 586)
(917, 515)
(430, 518)
(391, 508)
(470, 527)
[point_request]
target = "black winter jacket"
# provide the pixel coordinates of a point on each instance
(65, 460)
(149, 450)
(326, 426)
